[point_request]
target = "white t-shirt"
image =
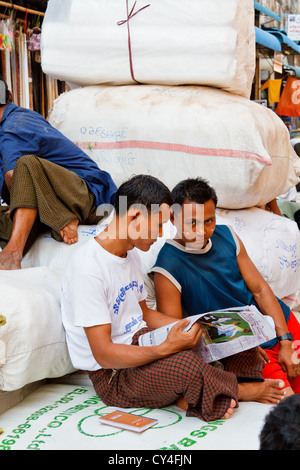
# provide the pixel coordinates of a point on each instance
(100, 288)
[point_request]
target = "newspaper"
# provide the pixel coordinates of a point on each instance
(225, 332)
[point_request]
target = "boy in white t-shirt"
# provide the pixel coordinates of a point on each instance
(104, 312)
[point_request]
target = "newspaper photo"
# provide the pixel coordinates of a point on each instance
(224, 332)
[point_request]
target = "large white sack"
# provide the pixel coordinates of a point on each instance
(32, 338)
(242, 148)
(293, 301)
(172, 42)
(273, 244)
(54, 255)
(48, 252)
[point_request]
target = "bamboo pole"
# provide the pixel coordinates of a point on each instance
(6, 17)
(17, 7)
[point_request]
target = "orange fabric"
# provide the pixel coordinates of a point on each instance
(274, 87)
(289, 103)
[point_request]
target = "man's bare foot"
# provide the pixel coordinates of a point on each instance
(9, 260)
(288, 392)
(230, 409)
(270, 391)
(69, 232)
(184, 406)
(182, 403)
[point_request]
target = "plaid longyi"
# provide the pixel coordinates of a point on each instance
(208, 390)
(58, 194)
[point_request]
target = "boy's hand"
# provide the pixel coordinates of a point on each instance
(179, 340)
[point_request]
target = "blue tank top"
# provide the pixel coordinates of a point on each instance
(209, 279)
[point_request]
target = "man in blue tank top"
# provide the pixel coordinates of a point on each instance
(206, 268)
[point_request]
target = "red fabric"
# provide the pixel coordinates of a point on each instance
(273, 370)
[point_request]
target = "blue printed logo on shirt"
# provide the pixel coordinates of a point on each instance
(123, 291)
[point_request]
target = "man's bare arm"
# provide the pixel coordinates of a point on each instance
(154, 318)
(111, 355)
(168, 297)
(261, 290)
(268, 305)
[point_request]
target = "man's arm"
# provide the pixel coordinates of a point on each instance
(268, 305)
(154, 318)
(111, 355)
(168, 297)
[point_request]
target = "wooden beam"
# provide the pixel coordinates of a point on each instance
(17, 7)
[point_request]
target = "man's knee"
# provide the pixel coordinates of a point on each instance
(188, 366)
(27, 160)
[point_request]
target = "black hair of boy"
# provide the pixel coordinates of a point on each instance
(281, 430)
(142, 190)
(195, 190)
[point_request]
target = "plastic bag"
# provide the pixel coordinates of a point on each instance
(34, 42)
(6, 35)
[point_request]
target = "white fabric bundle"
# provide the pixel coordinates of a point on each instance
(242, 148)
(32, 338)
(273, 244)
(168, 42)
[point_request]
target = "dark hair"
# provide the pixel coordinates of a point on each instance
(281, 430)
(194, 190)
(142, 190)
(7, 97)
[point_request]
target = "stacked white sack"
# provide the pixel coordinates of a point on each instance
(172, 42)
(32, 338)
(242, 148)
(273, 244)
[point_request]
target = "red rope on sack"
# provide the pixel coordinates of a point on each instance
(130, 15)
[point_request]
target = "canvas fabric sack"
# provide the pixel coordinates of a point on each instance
(273, 244)
(32, 338)
(54, 255)
(242, 148)
(167, 42)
